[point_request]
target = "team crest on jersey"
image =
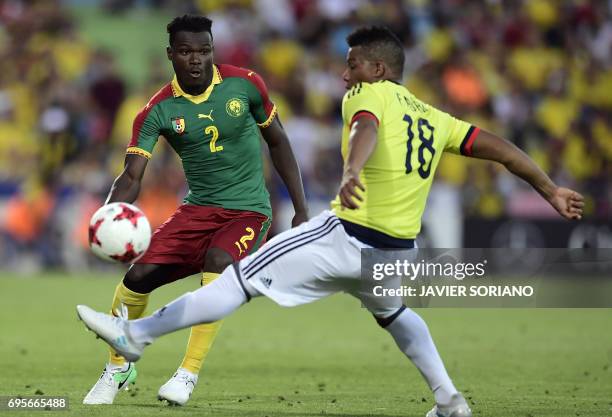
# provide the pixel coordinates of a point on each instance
(234, 107)
(178, 125)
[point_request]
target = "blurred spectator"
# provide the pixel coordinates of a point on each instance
(26, 228)
(107, 92)
(462, 84)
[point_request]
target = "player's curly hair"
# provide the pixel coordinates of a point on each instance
(379, 44)
(189, 23)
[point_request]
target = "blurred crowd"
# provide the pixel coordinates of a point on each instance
(537, 72)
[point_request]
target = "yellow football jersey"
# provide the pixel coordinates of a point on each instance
(411, 138)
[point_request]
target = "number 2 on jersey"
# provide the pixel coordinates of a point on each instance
(427, 139)
(215, 135)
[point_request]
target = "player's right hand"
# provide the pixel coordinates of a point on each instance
(348, 190)
(568, 203)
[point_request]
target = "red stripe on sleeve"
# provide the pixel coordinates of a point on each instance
(470, 141)
(163, 93)
(362, 114)
(228, 71)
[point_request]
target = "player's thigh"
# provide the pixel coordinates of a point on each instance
(183, 238)
(303, 264)
(383, 297)
(375, 296)
(241, 235)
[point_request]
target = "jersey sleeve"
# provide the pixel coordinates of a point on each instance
(145, 132)
(262, 108)
(361, 98)
(460, 136)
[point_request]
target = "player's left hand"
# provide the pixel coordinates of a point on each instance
(299, 218)
(568, 203)
(348, 190)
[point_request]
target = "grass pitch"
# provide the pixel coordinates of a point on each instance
(329, 358)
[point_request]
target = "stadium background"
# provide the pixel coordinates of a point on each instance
(74, 73)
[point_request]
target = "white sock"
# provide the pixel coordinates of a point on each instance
(209, 303)
(413, 338)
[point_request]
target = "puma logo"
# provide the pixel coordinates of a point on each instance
(206, 116)
(250, 74)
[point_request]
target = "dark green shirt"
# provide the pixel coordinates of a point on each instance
(216, 135)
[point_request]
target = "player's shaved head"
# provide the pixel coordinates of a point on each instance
(189, 23)
(378, 43)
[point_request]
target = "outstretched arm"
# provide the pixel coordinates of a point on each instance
(127, 185)
(568, 203)
(287, 167)
(362, 141)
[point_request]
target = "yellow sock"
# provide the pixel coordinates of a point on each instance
(201, 338)
(135, 303)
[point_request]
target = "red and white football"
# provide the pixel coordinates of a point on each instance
(119, 232)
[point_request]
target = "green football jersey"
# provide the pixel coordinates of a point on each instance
(216, 135)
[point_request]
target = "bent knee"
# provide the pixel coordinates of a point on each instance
(384, 317)
(217, 260)
(136, 273)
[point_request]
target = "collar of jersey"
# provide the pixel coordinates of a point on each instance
(177, 91)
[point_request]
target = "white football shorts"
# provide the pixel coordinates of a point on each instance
(311, 261)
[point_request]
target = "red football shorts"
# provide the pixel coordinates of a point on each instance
(188, 234)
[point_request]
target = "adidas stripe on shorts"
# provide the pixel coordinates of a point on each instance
(309, 262)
